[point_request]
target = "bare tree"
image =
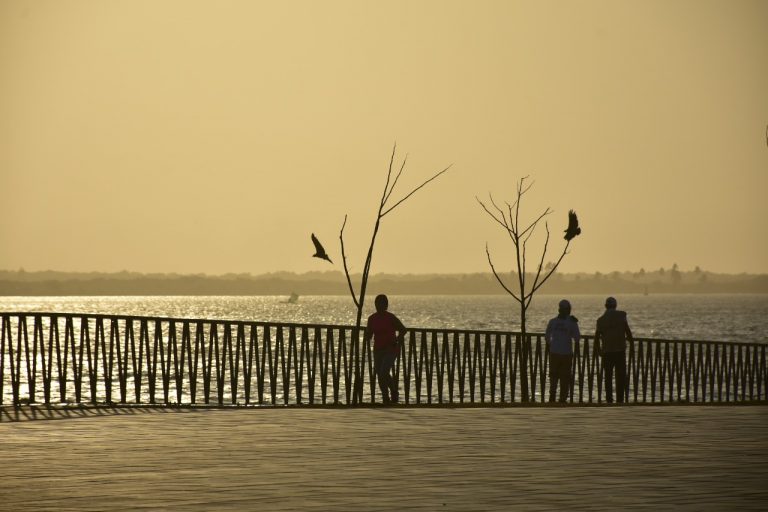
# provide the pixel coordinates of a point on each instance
(385, 207)
(527, 284)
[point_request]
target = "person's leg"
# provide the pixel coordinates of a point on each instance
(565, 378)
(554, 373)
(381, 375)
(608, 363)
(389, 365)
(621, 377)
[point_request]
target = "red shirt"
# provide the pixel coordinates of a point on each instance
(384, 326)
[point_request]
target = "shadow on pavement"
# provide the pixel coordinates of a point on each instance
(34, 413)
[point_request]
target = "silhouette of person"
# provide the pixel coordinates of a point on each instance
(388, 334)
(561, 330)
(613, 330)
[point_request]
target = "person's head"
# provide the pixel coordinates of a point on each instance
(381, 302)
(610, 303)
(564, 308)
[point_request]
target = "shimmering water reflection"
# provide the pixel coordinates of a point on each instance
(704, 317)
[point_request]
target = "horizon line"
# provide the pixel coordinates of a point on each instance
(383, 273)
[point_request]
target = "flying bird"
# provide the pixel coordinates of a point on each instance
(573, 226)
(319, 251)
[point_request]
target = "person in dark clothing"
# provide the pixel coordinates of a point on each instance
(388, 333)
(561, 331)
(611, 337)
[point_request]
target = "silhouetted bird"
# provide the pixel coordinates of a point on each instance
(319, 251)
(573, 226)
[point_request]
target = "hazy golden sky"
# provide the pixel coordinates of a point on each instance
(191, 136)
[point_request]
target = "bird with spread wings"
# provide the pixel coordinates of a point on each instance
(319, 250)
(573, 226)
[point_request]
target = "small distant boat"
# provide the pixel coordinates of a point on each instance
(293, 299)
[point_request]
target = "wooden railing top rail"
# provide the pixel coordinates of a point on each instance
(299, 325)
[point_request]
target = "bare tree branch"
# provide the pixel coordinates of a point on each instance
(493, 202)
(414, 191)
(525, 266)
(541, 261)
(511, 228)
(509, 220)
(389, 187)
(503, 223)
(520, 189)
(532, 227)
(392, 188)
(496, 275)
(389, 175)
(520, 193)
(344, 260)
(551, 271)
(517, 204)
(510, 207)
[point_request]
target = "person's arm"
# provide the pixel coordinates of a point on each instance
(576, 332)
(627, 330)
(401, 330)
(368, 333)
(548, 333)
(597, 340)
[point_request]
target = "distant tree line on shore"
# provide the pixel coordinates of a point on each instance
(673, 280)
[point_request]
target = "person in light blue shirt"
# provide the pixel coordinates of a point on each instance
(561, 332)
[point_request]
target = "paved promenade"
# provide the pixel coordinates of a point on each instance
(513, 458)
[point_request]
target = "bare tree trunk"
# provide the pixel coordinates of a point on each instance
(509, 219)
(525, 350)
(359, 300)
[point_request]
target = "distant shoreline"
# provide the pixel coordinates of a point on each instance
(50, 283)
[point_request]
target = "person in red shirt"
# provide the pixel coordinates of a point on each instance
(388, 334)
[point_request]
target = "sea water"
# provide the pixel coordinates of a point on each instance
(713, 317)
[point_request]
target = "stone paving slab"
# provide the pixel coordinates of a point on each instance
(513, 458)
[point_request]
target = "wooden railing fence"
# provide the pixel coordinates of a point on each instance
(53, 358)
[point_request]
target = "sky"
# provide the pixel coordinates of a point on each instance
(214, 137)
